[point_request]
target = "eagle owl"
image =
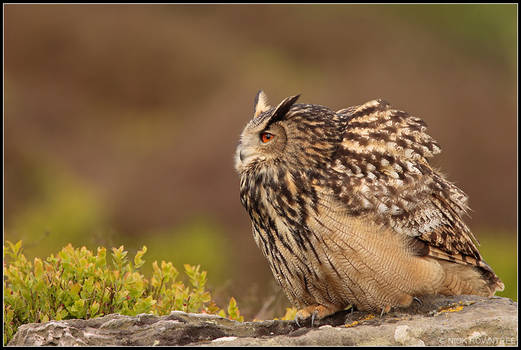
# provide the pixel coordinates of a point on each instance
(347, 210)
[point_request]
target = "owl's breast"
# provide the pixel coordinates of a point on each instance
(279, 203)
(279, 209)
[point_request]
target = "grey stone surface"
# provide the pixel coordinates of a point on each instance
(449, 321)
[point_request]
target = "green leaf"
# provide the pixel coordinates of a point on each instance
(78, 308)
(38, 268)
(94, 308)
(233, 310)
(138, 259)
(101, 257)
(74, 289)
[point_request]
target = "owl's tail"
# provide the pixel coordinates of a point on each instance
(464, 274)
(468, 279)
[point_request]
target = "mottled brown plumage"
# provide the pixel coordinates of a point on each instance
(347, 209)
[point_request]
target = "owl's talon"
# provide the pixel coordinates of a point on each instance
(296, 321)
(385, 310)
(301, 315)
(316, 312)
(313, 317)
(417, 300)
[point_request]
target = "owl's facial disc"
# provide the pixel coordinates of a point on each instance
(264, 138)
(259, 145)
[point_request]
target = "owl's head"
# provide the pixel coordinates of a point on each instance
(265, 137)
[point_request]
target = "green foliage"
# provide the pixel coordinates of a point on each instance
(233, 310)
(76, 283)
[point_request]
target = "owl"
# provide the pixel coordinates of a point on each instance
(348, 211)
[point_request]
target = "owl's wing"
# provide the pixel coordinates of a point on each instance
(381, 167)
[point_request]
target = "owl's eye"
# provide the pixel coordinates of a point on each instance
(266, 137)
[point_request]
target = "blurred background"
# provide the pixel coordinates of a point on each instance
(121, 121)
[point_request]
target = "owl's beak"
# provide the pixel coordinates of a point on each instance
(239, 159)
(242, 159)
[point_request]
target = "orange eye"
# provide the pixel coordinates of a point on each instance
(266, 137)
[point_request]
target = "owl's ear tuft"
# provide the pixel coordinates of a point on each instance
(283, 108)
(260, 104)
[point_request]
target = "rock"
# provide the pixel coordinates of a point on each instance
(450, 321)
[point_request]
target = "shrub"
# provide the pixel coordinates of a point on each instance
(79, 284)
